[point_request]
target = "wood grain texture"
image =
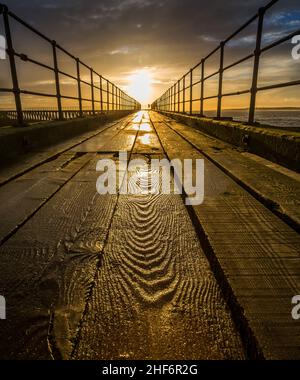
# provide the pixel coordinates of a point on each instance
(22, 197)
(48, 268)
(16, 167)
(156, 297)
(102, 141)
(257, 252)
(276, 189)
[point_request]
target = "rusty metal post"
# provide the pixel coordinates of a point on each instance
(57, 84)
(122, 100)
(79, 87)
(202, 88)
(219, 110)
(107, 95)
(113, 96)
(174, 98)
(13, 68)
(178, 106)
(191, 92)
(183, 95)
(116, 96)
(101, 93)
(261, 14)
(92, 90)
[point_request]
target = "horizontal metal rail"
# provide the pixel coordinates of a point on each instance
(104, 96)
(175, 100)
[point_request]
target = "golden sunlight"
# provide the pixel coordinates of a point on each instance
(140, 86)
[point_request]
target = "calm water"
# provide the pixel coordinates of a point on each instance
(278, 118)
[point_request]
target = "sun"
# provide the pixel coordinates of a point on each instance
(140, 86)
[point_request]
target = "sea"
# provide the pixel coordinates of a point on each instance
(283, 118)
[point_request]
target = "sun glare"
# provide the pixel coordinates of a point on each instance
(140, 86)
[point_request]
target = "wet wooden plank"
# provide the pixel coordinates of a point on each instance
(16, 167)
(155, 296)
(102, 142)
(259, 248)
(276, 189)
(122, 141)
(48, 268)
(147, 140)
(22, 197)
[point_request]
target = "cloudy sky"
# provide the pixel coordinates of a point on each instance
(156, 40)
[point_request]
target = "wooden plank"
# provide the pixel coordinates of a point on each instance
(279, 191)
(22, 197)
(102, 141)
(147, 141)
(155, 296)
(122, 141)
(17, 167)
(260, 248)
(48, 268)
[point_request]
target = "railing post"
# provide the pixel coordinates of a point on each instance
(202, 88)
(101, 94)
(183, 95)
(13, 68)
(57, 84)
(92, 91)
(168, 100)
(174, 98)
(121, 100)
(261, 14)
(113, 96)
(79, 87)
(107, 95)
(178, 106)
(219, 110)
(191, 92)
(117, 98)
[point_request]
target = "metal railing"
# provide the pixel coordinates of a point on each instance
(104, 94)
(174, 99)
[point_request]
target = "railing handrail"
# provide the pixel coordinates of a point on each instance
(171, 99)
(116, 98)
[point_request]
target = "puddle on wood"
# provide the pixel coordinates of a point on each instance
(145, 127)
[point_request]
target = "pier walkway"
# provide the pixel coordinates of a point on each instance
(89, 276)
